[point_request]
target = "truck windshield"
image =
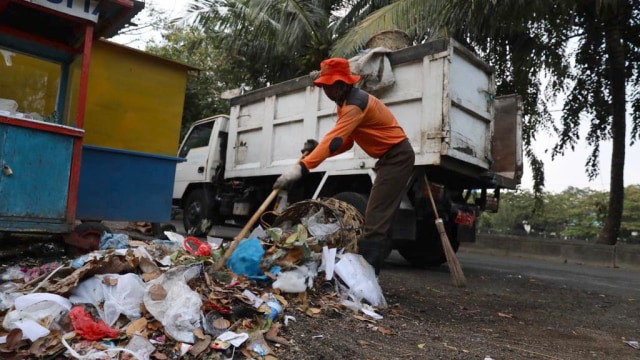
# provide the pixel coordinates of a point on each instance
(198, 137)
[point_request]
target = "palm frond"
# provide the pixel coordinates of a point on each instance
(409, 16)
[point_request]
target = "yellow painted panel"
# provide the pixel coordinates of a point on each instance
(31, 82)
(134, 100)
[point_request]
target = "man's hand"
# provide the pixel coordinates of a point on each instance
(309, 146)
(293, 174)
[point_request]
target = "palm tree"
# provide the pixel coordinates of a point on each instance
(281, 38)
(529, 40)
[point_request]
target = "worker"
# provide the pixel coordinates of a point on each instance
(365, 120)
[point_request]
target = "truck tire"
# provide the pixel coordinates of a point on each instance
(198, 208)
(359, 201)
(426, 250)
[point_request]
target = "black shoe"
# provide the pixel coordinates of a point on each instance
(372, 253)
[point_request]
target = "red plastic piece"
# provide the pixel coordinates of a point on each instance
(196, 247)
(88, 328)
(221, 309)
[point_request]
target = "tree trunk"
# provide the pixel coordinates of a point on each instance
(616, 64)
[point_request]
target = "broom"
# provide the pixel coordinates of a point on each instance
(452, 261)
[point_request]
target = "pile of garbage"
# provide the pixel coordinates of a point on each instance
(172, 298)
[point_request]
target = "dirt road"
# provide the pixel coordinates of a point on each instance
(511, 309)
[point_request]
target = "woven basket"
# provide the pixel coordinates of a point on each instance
(351, 222)
(390, 39)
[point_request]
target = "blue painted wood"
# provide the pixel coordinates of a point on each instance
(39, 185)
(23, 225)
(120, 185)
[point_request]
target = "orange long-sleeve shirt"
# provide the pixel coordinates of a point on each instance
(361, 118)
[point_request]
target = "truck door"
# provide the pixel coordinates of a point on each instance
(204, 150)
(195, 149)
(506, 147)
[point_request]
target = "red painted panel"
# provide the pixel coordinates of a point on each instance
(42, 126)
(74, 178)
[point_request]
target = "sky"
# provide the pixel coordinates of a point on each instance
(562, 172)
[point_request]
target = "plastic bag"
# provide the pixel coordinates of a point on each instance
(315, 223)
(190, 244)
(36, 314)
(179, 312)
(292, 281)
(196, 247)
(88, 328)
(8, 294)
(360, 278)
(13, 273)
(296, 280)
(245, 259)
(79, 262)
(114, 241)
(141, 346)
(124, 297)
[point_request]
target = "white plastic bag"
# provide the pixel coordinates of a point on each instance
(36, 314)
(360, 278)
(316, 226)
(124, 297)
(8, 294)
(179, 312)
(141, 346)
(292, 281)
(297, 280)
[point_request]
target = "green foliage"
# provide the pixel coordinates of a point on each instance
(216, 74)
(573, 213)
(631, 214)
(277, 39)
(515, 207)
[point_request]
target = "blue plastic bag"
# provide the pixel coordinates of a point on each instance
(245, 259)
(114, 241)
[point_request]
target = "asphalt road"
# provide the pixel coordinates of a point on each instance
(619, 282)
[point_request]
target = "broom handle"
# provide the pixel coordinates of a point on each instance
(457, 275)
(253, 219)
(249, 225)
(433, 203)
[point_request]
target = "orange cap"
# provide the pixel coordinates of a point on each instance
(334, 69)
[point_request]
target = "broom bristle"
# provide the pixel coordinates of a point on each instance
(452, 260)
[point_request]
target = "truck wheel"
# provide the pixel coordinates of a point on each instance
(426, 250)
(199, 215)
(359, 201)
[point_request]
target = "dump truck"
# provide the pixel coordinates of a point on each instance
(467, 144)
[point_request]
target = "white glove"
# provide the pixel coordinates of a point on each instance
(293, 174)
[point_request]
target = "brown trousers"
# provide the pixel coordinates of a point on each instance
(393, 171)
